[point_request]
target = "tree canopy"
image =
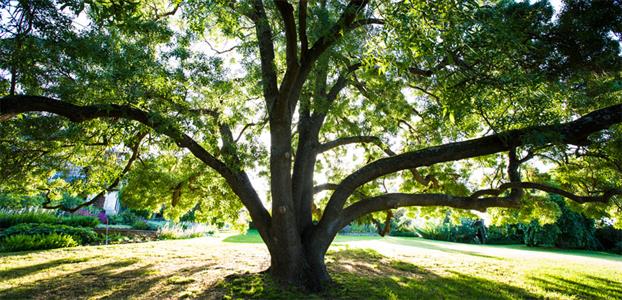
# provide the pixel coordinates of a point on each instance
(346, 108)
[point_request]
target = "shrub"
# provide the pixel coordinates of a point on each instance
(435, 231)
(572, 230)
(541, 235)
(610, 238)
(505, 235)
(141, 225)
(80, 234)
(10, 218)
(115, 220)
(79, 221)
(126, 217)
(22, 242)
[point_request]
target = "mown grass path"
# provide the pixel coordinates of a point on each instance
(363, 268)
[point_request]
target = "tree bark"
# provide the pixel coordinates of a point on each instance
(306, 269)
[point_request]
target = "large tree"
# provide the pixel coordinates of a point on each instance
(435, 105)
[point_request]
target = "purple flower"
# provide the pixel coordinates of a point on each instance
(102, 217)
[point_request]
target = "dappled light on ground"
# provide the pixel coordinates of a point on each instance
(399, 268)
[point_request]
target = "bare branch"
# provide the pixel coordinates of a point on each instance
(168, 13)
(345, 141)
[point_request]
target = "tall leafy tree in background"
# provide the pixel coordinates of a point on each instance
(443, 104)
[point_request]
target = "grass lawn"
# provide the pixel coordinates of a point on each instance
(363, 268)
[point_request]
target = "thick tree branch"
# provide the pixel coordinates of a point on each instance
(603, 198)
(395, 200)
(324, 187)
(286, 11)
(266, 53)
(574, 132)
(302, 27)
(241, 186)
(426, 181)
(388, 201)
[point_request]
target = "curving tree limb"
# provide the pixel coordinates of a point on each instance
(575, 132)
(237, 179)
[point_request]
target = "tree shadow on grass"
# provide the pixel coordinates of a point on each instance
(117, 280)
(366, 274)
(357, 274)
(585, 286)
(13, 273)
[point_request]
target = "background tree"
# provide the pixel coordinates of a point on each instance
(367, 105)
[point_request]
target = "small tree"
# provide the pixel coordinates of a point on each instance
(456, 86)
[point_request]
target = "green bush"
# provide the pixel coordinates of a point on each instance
(141, 225)
(609, 237)
(80, 234)
(505, 235)
(126, 217)
(572, 230)
(465, 232)
(79, 221)
(10, 218)
(541, 235)
(22, 242)
(434, 231)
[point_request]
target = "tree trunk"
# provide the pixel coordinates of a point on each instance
(305, 269)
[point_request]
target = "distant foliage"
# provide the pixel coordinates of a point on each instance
(79, 221)
(23, 242)
(541, 235)
(572, 230)
(505, 235)
(610, 238)
(79, 234)
(464, 232)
